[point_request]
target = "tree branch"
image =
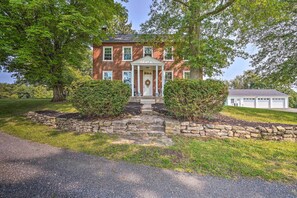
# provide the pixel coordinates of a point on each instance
(217, 10)
(181, 2)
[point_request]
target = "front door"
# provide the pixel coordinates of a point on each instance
(147, 83)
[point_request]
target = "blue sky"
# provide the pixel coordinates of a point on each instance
(138, 13)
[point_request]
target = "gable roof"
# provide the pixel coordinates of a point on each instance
(255, 92)
(147, 60)
(134, 38)
(123, 38)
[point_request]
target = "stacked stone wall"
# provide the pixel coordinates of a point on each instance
(153, 125)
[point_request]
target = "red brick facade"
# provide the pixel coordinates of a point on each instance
(117, 65)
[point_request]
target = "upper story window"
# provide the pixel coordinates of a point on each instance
(127, 54)
(186, 74)
(147, 51)
(107, 53)
(168, 76)
(107, 75)
(168, 53)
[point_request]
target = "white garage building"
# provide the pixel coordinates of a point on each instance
(257, 98)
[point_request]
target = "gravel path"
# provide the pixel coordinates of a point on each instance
(29, 169)
(292, 110)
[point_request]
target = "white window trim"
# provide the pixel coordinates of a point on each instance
(105, 72)
(164, 57)
(123, 74)
(184, 71)
(123, 54)
(147, 47)
(104, 47)
(167, 71)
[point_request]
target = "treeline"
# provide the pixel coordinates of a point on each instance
(24, 91)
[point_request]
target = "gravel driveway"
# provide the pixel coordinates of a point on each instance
(292, 110)
(29, 169)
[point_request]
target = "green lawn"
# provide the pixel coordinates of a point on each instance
(227, 158)
(260, 115)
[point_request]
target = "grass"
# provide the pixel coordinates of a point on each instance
(260, 115)
(274, 161)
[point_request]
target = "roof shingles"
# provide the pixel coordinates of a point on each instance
(255, 92)
(123, 38)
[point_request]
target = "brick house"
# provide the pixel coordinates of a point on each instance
(152, 66)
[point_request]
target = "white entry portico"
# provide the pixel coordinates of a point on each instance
(147, 64)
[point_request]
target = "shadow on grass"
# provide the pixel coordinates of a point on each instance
(233, 158)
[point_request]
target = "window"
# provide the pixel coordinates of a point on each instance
(232, 100)
(168, 76)
(278, 99)
(263, 98)
(186, 74)
(127, 77)
(127, 53)
(107, 53)
(168, 53)
(107, 75)
(248, 99)
(147, 51)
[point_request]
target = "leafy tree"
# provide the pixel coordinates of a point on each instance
(23, 91)
(250, 80)
(47, 41)
(6, 90)
(208, 33)
(277, 44)
(121, 25)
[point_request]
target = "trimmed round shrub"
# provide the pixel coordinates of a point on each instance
(101, 98)
(192, 99)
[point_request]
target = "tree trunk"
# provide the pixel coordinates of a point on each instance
(196, 73)
(58, 93)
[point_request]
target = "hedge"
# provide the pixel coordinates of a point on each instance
(192, 99)
(101, 98)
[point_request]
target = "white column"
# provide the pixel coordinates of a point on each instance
(256, 102)
(138, 80)
(163, 80)
(157, 76)
(132, 80)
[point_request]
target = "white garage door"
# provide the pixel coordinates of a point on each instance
(278, 103)
(249, 102)
(263, 102)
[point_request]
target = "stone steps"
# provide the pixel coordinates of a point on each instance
(147, 101)
(147, 125)
(147, 106)
(146, 109)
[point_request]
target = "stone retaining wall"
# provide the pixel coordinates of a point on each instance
(157, 126)
(288, 133)
(137, 125)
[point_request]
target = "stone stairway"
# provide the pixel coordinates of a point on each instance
(146, 129)
(150, 125)
(147, 106)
